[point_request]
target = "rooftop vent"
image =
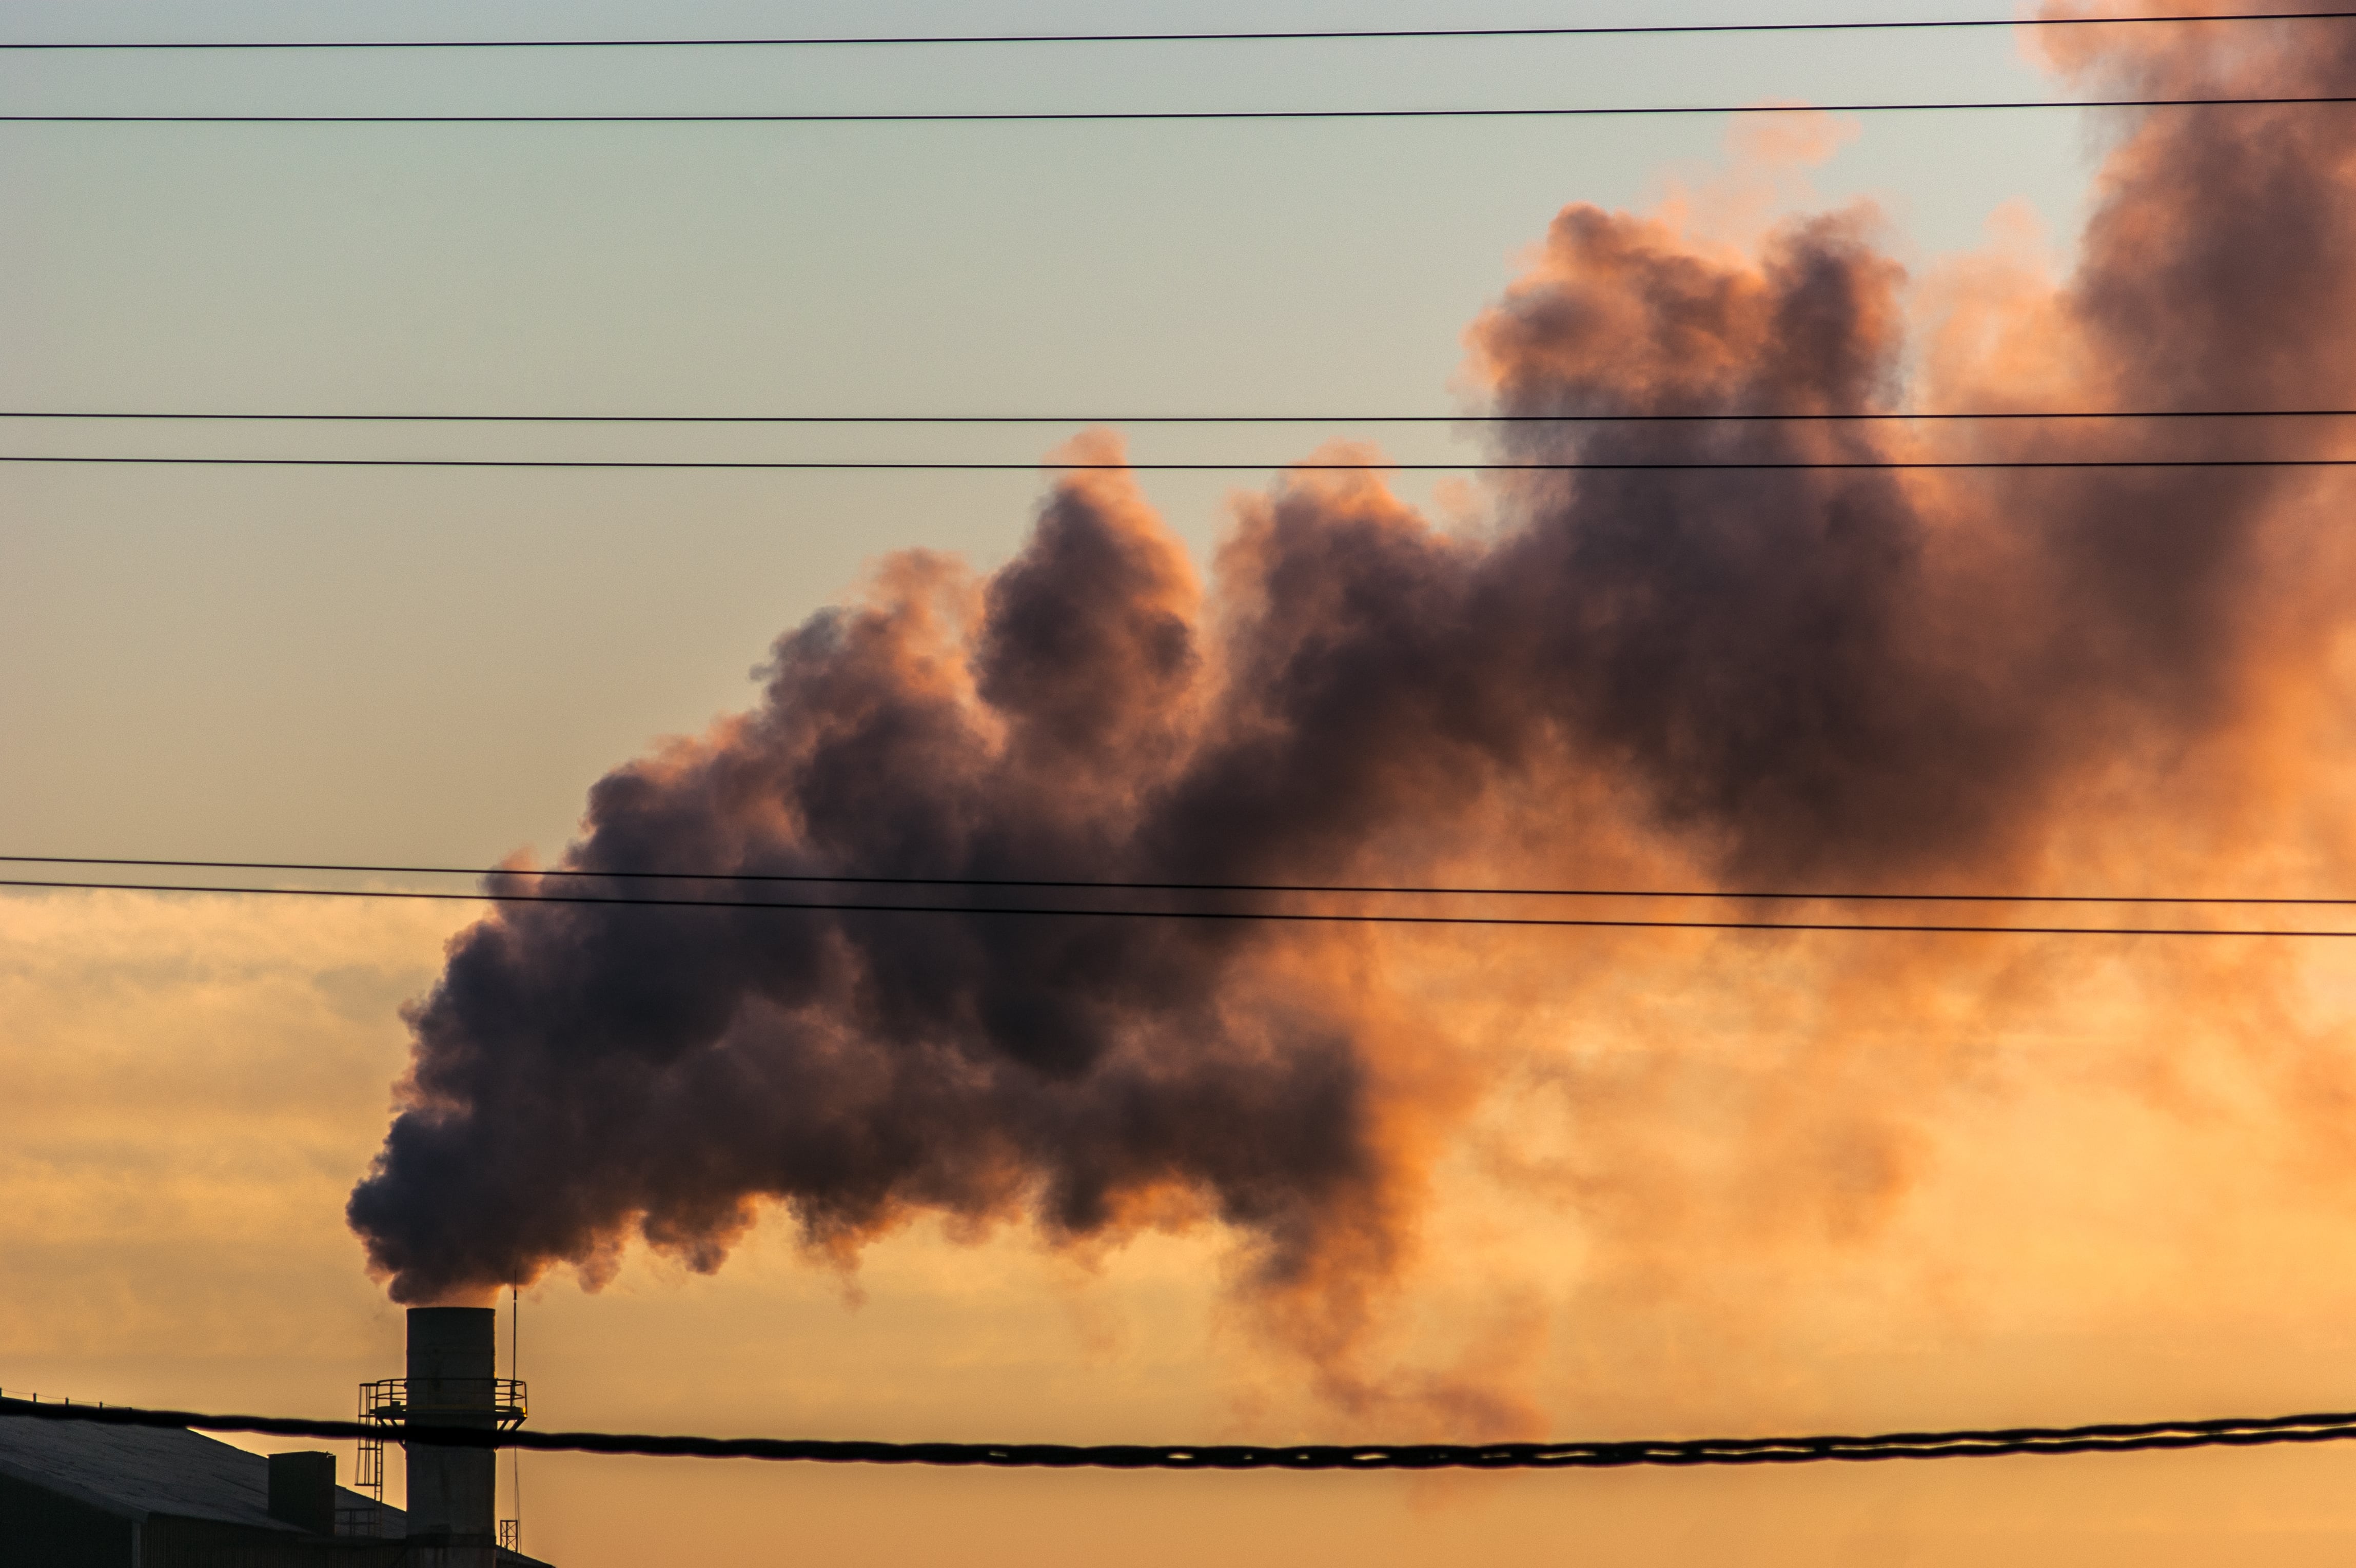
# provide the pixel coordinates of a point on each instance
(302, 1491)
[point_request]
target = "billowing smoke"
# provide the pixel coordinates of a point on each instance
(1858, 676)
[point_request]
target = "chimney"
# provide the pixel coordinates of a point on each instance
(452, 1382)
(302, 1491)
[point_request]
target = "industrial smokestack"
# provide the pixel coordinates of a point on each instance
(452, 1382)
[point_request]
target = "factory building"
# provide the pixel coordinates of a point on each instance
(80, 1493)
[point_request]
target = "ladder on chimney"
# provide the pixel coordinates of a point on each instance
(368, 1465)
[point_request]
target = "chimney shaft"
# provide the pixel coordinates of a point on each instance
(453, 1373)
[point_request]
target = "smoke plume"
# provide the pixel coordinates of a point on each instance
(1860, 676)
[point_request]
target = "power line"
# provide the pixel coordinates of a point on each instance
(1331, 34)
(1103, 884)
(1733, 418)
(1042, 116)
(1036, 465)
(2125, 1437)
(1290, 917)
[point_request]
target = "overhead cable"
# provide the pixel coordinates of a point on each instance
(1731, 894)
(1324, 35)
(1287, 916)
(1728, 418)
(1053, 465)
(2124, 1437)
(1050, 116)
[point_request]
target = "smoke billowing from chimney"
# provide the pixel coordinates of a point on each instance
(1837, 676)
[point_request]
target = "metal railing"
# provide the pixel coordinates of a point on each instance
(385, 1405)
(387, 1401)
(364, 1519)
(36, 1399)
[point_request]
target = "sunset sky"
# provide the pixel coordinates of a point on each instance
(1612, 1184)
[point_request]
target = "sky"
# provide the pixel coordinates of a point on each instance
(2044, 1184)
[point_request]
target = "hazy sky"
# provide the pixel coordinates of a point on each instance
(385, 666)
(372, 664)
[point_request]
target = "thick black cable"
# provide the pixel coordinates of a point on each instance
(1048, 116)
(1049, 465)
(1729, 895)
(1736, 418)
(2110, 1438)
(1331, 35)
(1287, 916)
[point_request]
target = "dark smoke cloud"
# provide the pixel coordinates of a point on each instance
(1844, 676)
(667, 1071)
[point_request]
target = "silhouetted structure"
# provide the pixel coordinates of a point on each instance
(74, 1494)
(81, 1495)
(452, 1382)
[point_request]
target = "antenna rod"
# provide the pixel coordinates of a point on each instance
(515, 1371)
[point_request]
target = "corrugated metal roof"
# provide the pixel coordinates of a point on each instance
(135, 1471)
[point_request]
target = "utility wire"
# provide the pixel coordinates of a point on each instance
(2126, 1437)
(1274, 916)
(1386, 889)
(1053, 465)
(1046, 117)
(1181, 418)
(1333, 35)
